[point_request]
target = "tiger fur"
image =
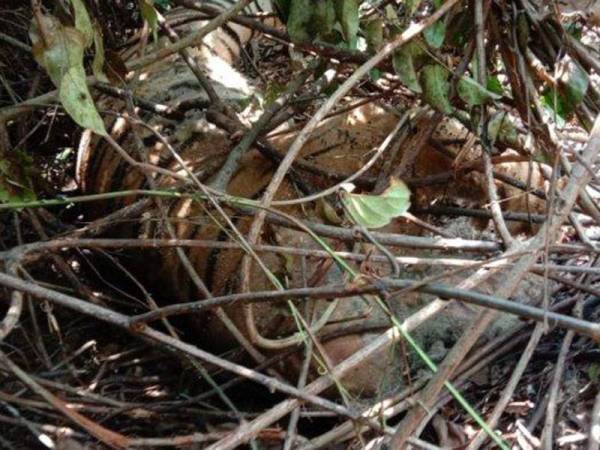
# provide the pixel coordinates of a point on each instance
(349, 138)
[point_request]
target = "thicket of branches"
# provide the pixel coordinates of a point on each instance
(83, 364)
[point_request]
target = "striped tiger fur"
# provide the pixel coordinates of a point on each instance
(342, 144)
(204, 148)
(171, 81)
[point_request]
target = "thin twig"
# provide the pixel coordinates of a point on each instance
(568, 196)
(554, 391)
(510, 387)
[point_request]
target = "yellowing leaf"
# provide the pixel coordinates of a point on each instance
(63, 49)
(327, 213)
(150, 15)
(391, 16)
(376, 211)
(61, 54)
(98, 62)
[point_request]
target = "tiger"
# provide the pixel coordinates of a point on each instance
(341, 145)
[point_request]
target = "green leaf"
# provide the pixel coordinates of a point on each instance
(404, 65)
(557, 106)
(376, 211)
(77, 101)
(374, 34)
(163, 4)
(324, 16)
(494, 85)
(19, 167)
(573, 85)
(575, 81)
(412, 5)
(98, 62)
(63, 156)
(375, 74)
(541, 156)
(575, 29)
(299, 21)
(273, 91)
(150, 15)
(64, 48)
(391, 15)
(435, 34)
(474, 94)
(434, 81)
(9, 195)
(62, 57)
(594, 372)
(500, 128)
(83, 22)
(347, 15)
